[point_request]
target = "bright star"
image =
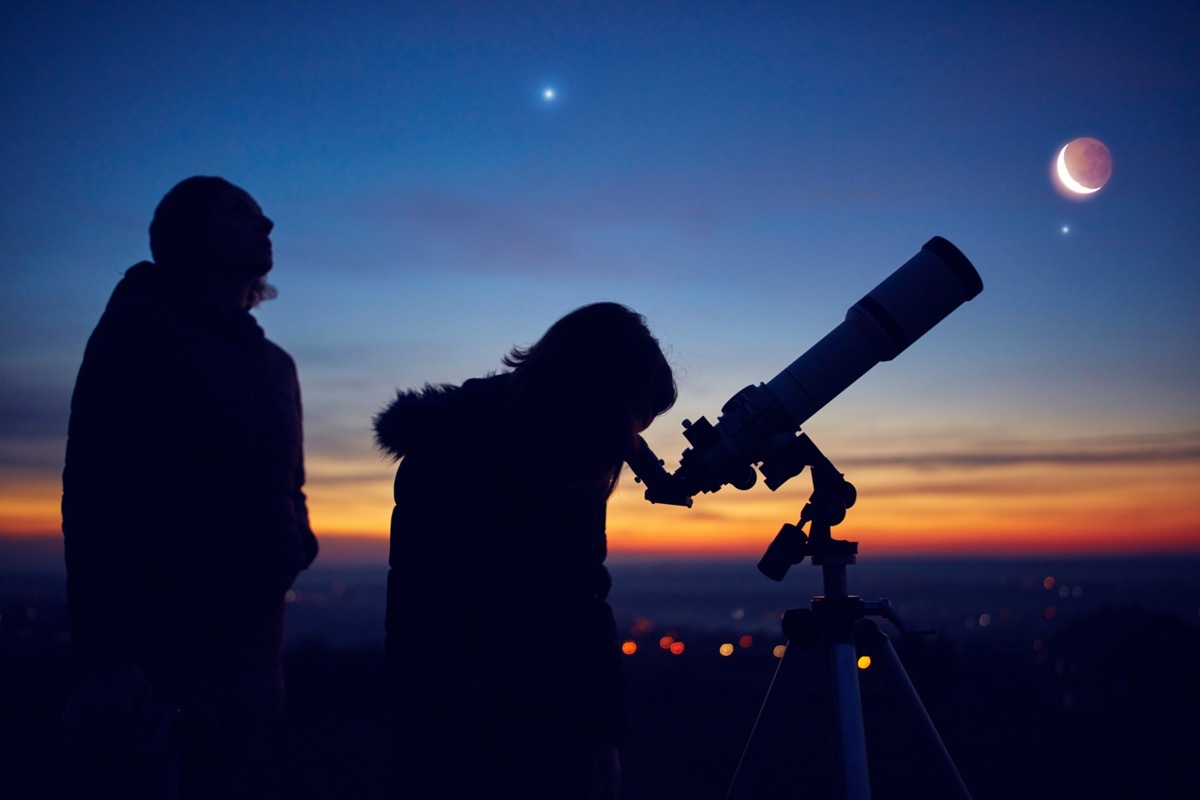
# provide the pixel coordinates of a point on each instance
(1066, 229)
(548, 94)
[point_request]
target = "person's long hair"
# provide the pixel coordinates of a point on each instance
(593, 381)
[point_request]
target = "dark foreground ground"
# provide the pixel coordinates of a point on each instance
(1104, 704)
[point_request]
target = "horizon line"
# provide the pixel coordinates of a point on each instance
(37, 551)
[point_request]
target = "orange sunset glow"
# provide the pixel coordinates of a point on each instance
(1097, 506)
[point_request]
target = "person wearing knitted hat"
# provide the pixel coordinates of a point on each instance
(184, 519)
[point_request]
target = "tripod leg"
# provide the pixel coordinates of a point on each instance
(850, 739)
(901, 727)
(788, 751)
(809, 736)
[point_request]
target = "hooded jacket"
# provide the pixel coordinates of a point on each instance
(182, 500)
(496, 588)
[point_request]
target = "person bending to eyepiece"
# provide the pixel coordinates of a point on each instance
(498, 634)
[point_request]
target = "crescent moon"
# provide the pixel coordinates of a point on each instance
(1064, 175)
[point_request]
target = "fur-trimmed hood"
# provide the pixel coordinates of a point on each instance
(413, 415)
(416, 414)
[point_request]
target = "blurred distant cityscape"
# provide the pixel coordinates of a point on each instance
(1046, 677)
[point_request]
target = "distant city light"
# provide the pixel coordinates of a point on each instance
(779, 650)
(629, 647)
(745, 641)
(864, 662)
(666, 642)
(726, 649)
(676, 648)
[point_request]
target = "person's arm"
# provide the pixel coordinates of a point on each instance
(299, 501)
(604, 773)
(103, 708)
(611, 723)
(107, 444)
(112, 413)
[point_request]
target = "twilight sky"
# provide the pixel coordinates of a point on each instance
(740, 173)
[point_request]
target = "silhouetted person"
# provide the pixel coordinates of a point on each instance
(501, 641)
(183, 516)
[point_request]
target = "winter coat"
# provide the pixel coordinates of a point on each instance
(182, 502)
(497, 590)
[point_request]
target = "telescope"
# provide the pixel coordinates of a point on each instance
(760, 425)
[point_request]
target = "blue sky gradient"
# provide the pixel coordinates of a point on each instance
(740, 173)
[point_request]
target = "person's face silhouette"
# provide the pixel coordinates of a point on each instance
(241, 235)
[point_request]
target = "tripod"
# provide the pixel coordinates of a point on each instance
(829, 646)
